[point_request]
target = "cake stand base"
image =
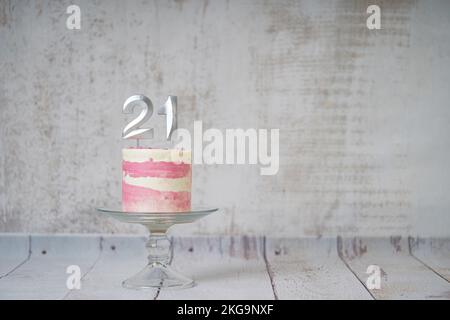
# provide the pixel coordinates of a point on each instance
(158, 275)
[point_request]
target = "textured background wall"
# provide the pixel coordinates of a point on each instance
(363, 115)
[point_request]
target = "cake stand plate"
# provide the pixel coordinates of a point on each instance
(157, 273)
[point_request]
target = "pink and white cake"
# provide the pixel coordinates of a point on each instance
(156, 180)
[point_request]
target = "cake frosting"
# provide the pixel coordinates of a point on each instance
(156, 180)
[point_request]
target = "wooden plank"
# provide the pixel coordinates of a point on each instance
(311, 269)
(223, 268)
(44, 275)
(121, 257)
(434, 253)
(227, 267)
(14, 251)
(402, 276)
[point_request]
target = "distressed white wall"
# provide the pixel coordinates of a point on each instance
(363, 115)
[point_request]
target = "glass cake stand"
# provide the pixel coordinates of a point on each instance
(157, 273)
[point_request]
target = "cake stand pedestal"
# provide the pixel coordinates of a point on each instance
(157, 273)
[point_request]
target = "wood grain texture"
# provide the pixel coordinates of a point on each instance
(227, 267)
(435, 253)
(402, 276)
(121, 257)
(43, 275)
(223, 268)
(311, 269)
(14, 251)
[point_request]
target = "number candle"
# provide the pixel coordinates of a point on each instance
(169, 109)
(132, 130)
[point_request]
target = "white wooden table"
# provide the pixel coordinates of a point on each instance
(34, 267)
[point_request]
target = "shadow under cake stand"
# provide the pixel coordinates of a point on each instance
(157, 273)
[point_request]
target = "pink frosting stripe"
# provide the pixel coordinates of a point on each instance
(140, 199)
(160, 169)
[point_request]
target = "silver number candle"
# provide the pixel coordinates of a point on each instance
(169, 109)
(132, 130)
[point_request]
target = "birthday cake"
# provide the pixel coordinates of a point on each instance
(156, 180)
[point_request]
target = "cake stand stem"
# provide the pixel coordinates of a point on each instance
(159, 248)
(158, 273)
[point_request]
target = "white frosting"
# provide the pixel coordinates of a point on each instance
(160, 184)
(168, 155)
